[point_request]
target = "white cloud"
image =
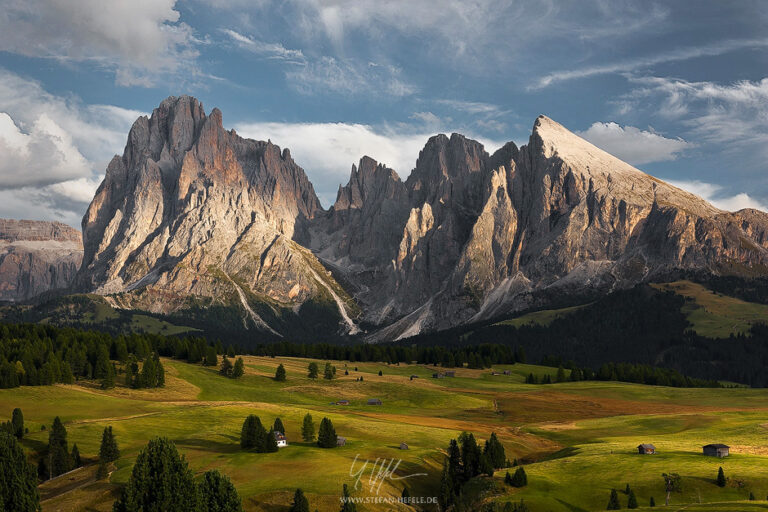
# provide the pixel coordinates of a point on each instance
(54, 149)
(268, 50)
(735, 115)
(345, 76)
(716, 195)
(327, 151)
(136, 38)
(634, 145)
(630, 65)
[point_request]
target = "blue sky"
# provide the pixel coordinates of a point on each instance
(678, 89)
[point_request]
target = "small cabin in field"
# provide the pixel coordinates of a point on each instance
(438, 376)
(450, 373)
(342, 402)
(374, 401)
(281, 439)
(716, 450)
(403, 446)
(646, 449)
(341, 441)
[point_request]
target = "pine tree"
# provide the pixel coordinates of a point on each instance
(108, 451)
(217, 494)
(58, 453)
(494, 450)
(308, 429)
(326, 437)
(751, 496)
(720, 477)
(211, 358)
(270, 443)
(560, 374)
(406, 494)
(613, 501)
(108, 381)
(226, 367)
(18, 481)
(131, 371)
(652, 502)
(249, 434)
(278, 426)
(239, 368)
(485, 467)
(627, 490)
(76, 460)
(380, 373)
(300, 502)
(470, 455)
(280, 373)
(312, 370)
(160, 480)
(17, 423)
(632, 501)
(454, 464)
(328, 373)
(446, 494)
(508, 479)
(347, 505)
(520, 478)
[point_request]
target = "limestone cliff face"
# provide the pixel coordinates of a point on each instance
(37, 257)
(486, 233)
(193, 210)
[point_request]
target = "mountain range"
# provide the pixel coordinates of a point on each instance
(193, 217)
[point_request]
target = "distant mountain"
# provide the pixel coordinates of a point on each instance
(194, 217)
(37, 257)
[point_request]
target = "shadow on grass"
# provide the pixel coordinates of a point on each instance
(208, 445)
(570, 506)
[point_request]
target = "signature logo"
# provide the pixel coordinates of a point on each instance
(380, 470)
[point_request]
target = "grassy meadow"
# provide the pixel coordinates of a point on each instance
(577, 440)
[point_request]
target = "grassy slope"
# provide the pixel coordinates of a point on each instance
(715, 315)
(543, 317)
(596, 425)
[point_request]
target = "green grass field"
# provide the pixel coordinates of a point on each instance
(577, 440)
(715, 315)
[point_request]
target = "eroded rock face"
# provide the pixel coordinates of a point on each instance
(37, 257)
(485, 233)
(193, 210)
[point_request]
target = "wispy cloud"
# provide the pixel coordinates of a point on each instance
(634, 145)
(268, 50)
(634, 64)
(346, 76)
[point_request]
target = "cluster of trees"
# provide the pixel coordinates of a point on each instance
(18, 490)
(15, 426)
(329, 372)
(465, 461)
(152, 374)
(161, 480)
(253, 435)
(233, 371)
(622, 372)
(518, 479)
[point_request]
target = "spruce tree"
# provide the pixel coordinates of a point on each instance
(652, 502)
(626, 490)
(312, 370)
(720, 477)
(632, 501)
(508, 479)
(494, 450)
(217, 494)
(108, 451)
(249, 434)
(211, 358)
(300, 502)
(328, 373)
(270, 443)
(239, 368)
(76, 460)
(347, 505)
(108, 380)
(58, 453)
(485, 467)
(520, 478)
(454, 464)
(278, 426)
(613, 501)
(326, 437)
(446, 493)
(226, 367)
(405, 494)
(160, 481)
(17, 423)
(470, 455)
(18, 481)
(280, 373)
(308, 429)
(560, 375)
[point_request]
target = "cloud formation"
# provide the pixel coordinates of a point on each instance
(716, 195)
(634, 145)
(135, 38)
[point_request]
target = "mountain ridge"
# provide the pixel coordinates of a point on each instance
(193, 215)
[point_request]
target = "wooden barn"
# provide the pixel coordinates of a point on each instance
(646, 449)
(341, 441)
(374, 401)
(716, 450)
